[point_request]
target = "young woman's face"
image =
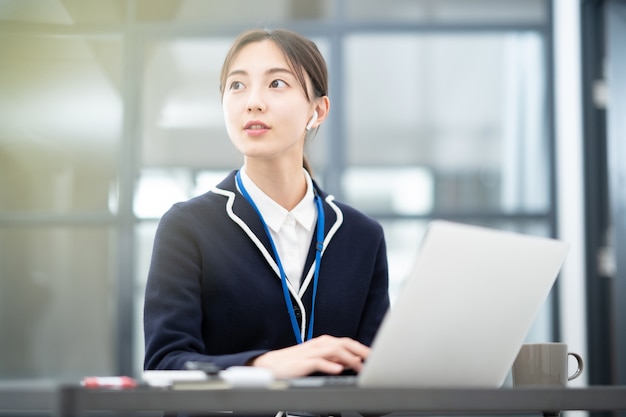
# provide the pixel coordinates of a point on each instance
(265, 107)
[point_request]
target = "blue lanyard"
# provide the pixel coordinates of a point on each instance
(283, 276)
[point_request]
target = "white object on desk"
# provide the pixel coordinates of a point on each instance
(235, 376)
(165, 378)
(247, 376)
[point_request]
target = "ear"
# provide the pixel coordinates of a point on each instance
(322, 106)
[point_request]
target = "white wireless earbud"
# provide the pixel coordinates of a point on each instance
(313, 119)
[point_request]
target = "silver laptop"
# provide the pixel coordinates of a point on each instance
(465, 310)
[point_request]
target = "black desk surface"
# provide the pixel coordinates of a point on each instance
(72, 400)
(364, 400)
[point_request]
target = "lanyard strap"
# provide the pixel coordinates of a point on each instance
(283, 276)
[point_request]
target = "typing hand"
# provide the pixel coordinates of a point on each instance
(326, 354)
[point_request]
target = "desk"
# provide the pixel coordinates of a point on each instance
(369, 401)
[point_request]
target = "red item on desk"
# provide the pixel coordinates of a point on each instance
(108, 382)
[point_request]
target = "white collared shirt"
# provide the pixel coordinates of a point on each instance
(292, 231)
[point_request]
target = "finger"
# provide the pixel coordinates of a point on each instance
(348, 360)
(357, 348)
(351, 353)
(345, 351)
(308, 367)
(327, 344)
(326, 366)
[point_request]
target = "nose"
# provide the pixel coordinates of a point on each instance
(256, 101)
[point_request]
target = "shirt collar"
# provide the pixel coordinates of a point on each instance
(273, 213)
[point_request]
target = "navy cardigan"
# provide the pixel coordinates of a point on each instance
(214, 292)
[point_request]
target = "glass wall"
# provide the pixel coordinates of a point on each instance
(463, 115)
(111, 112)
(450, 125)
(60, 135)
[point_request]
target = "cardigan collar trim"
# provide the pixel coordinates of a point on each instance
(240, 212)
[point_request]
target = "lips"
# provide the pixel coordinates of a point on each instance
(256, 125)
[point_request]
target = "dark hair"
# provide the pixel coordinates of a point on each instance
(301, 54)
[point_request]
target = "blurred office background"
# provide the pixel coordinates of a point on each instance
(493, 112)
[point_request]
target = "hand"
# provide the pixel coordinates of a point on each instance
(327, 354)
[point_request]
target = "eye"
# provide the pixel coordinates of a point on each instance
(236, 85)
(278, 84)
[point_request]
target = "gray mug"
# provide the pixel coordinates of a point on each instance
(544, 364)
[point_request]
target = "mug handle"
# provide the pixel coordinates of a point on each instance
(579, 366)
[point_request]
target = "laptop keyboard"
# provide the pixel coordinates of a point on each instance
(323, 381)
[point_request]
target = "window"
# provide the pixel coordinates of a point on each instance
(440, 109)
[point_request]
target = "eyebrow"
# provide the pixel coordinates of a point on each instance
(275, 70)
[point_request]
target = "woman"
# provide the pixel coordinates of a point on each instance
(267, 269)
